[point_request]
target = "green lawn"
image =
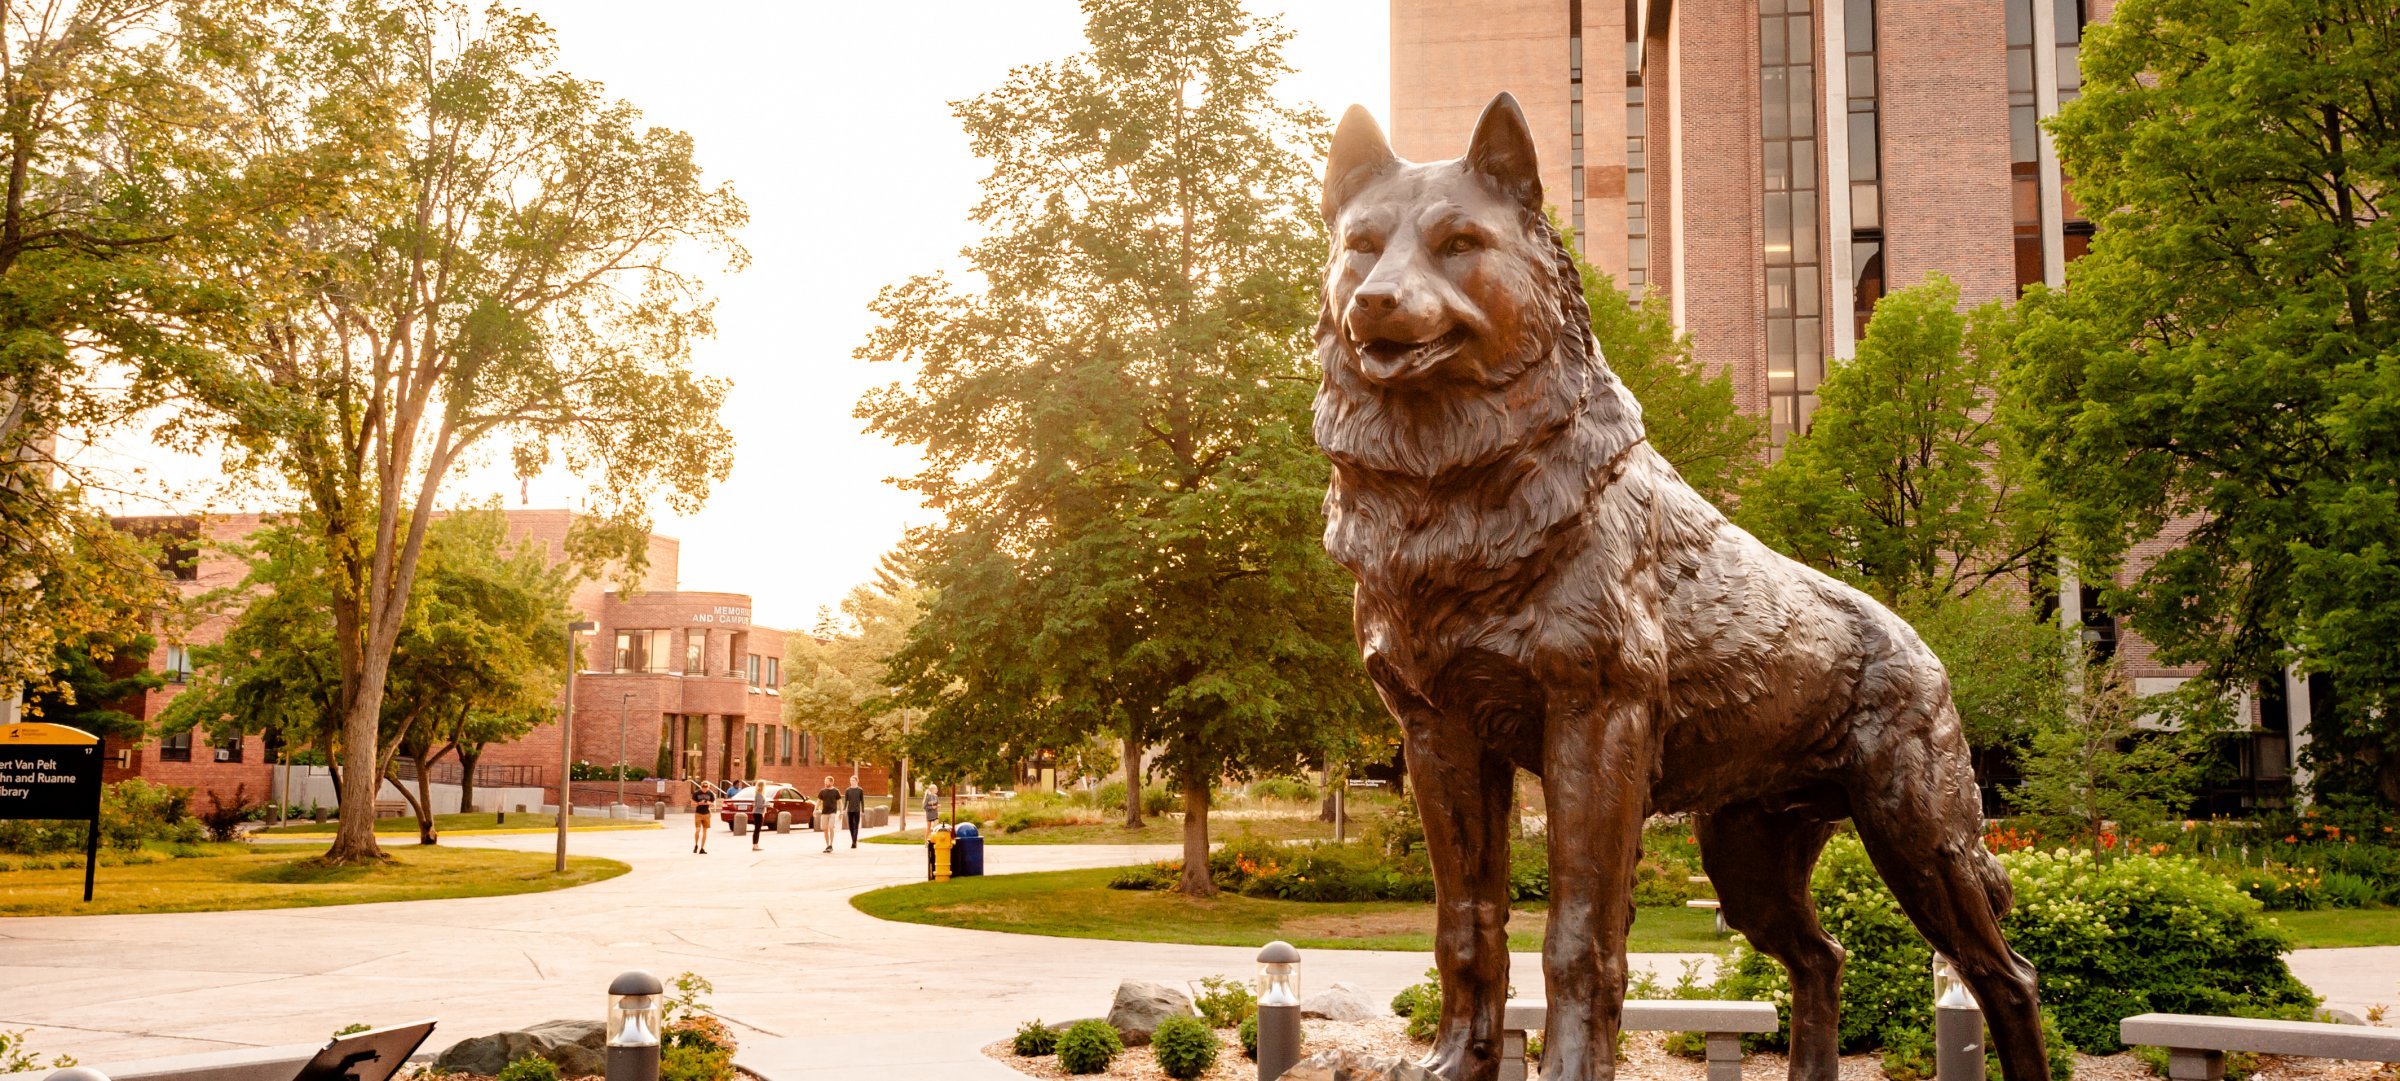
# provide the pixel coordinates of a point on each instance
(2330, 927)
(480, 822)
(218, 877)
(1079, 904)
(1156, 830)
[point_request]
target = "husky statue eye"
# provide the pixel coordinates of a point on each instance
(1364, 243)
(1462, 244)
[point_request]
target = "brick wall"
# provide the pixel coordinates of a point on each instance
(1944, 105)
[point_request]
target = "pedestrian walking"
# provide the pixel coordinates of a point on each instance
(933, 807)
(854, 806)
(758, 812)
(704, 805)
(829, 803)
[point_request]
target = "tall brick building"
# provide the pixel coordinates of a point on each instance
(680, 683)
(1773, 166)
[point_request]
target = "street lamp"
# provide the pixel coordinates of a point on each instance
(566, 743)
(623, 704)
(633, 1027)
(1278, 1009)
(1957, 1025)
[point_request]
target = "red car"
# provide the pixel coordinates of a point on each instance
(735, 809)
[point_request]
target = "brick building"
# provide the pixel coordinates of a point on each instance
(1773, 165)
(679, 683)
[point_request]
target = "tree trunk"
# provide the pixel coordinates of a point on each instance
(466, 778)
(1133, 783)
(1196, 882)
(891, 777)
(426, 834)
(336, 772)
(354, 842)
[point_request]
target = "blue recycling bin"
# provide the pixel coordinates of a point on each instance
(966, 854)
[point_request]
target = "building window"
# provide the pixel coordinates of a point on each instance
(179, 664)
(750, 668)
(175, 748)
(1866, 162)
(695, 653)
(1637, 167)
(789, 739)
(2070, 15)
(229, 750)
(774, 671)
(642, 651)
(2024, 145)
(1795, 325)
(1575, 123)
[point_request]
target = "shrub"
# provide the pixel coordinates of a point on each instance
(700, 1032)
(529, 1068)
(15, 1057)
(2346, 890)
(1147, 876)
(1317, 871)
(1034, 1039)
(2281, 887)
(1422, 1006)
(1157, 800)
(1088, 1046)
(1185, 1047)
(696, 1047)
(1287, 789)
(1224, 1003)
(224, 818)
(1249, 1037)
(2133, 935)
(1111, 794)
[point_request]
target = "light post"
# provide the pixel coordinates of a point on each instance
(1278, 1009)
(633, 1027)
(566, 744)
(1957, 1026)
(623, 703)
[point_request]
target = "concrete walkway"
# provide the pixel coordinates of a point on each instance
(818, 991)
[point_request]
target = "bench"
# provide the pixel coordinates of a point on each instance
(1723, 1022)
(2196, 1046)
(1710, 905)
(390, 808)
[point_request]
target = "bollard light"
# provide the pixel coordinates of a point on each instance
(77, 1073)
(634, 1001)
(1957, 1025)
(1278, 1009)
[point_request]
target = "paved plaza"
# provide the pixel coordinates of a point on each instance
(817, 990)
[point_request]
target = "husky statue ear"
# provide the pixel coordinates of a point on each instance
(1360, 154)
(1502, 152)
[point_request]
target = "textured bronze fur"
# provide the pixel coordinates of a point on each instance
(1537, 588)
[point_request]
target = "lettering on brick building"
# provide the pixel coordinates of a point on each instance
(723, 613)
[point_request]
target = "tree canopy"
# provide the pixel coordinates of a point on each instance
(443, 246)
(1114, 423)
(2223, 368)
(835, 685)
(1689, 413)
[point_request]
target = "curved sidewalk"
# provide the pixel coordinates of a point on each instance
(818, 990)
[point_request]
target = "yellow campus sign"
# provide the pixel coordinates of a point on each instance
(50, 734)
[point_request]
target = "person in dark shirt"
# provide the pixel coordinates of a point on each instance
(704, 806)
(854, 807)
(829, 802)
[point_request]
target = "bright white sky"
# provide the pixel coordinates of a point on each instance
(832, 122)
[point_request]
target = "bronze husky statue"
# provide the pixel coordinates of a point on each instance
(1538, 589)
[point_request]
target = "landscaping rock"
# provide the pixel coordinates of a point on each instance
(1062, 1026)
(1342, 1002)
(1141, 1005)
(573, 1045)
(1356, 1066)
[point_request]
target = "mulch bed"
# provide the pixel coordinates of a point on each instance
(1645, 1059)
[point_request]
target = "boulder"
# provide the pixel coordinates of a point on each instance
(574, 1046)
(1357, 1066)
(1141, 1005)
(1342, 1002)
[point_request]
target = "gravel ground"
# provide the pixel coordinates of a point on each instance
(1645, 1060)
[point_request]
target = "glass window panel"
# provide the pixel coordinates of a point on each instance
(2070, 21)
(1804, 232)
(1770, 43)
(1779, 229)
(1770, 7)
(2070, 70)
(1866, 207)
(1637, 186)
(1777, 165)
(1806, 407)
(1808, 353)
(1772, 119)
(1779, 346)
(1804, 163)
(1804, 101)
(660, 643)
(2020, 69)
(2020, 22)
(1804, 291)
(1801, 39)
(1637, 251)
(1798, 7)
(1858, 25)
(1863, 157)
(1862, 78)
(1779, 292)
(2020, 133)
(1780, 412)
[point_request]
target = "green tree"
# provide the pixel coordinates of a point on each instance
(445, 247)
(2094, 767)
(1115, 425)
(2007, 663)
(1690, 414)
(91, 681)
(1905, 482)
(835, 684)
(2223, 369)
(103, 121)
